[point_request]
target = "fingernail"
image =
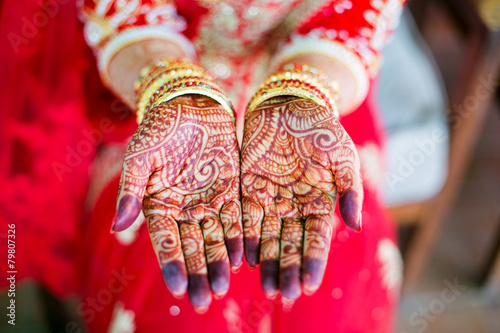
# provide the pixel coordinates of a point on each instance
(128, 210)
(272, 296)
(360, 222)
(178, 296)
(309, 291)
(287, 304)
(111, 231)
(219, 296)
(236, 270)
(201, 310)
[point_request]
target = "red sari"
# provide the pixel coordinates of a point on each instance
(59, 115)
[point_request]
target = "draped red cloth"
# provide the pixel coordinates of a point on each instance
(49, 136)
(44, 162)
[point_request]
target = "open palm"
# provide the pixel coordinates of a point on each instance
(296, 157)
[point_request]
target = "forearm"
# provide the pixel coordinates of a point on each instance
(125, 67)
(336, 71)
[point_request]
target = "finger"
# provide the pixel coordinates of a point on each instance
(134, 178)
(252, 220)
(317, 239)
(230, 217)
(290, 259)
(194, 254)
(349, 185)
(165, 237)
(270, 254)
(216, 254)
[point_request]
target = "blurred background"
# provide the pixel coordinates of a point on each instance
(440, 99)
(439, 95)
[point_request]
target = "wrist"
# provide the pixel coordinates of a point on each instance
(169, 79)
(301, 81)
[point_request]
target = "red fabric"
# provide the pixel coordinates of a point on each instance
(45, 154)
(362, 26)
(118, 16)
(49, 137)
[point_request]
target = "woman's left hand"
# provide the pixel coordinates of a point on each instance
(296, 158)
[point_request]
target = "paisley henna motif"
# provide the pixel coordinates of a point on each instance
(181, 167)
(296, 157)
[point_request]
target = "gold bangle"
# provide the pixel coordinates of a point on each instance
(145, 95)
(167, 79)
(159, 67)
(301, 81)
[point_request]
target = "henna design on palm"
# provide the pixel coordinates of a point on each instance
(296, 158)
(182, 168)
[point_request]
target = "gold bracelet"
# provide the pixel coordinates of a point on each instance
(298, 80)
(167, 79)
(151, 72)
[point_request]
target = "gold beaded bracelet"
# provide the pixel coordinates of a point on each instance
(167, 79)
(298, 80)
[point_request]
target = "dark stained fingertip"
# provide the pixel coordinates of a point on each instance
(290, 282)
(175, 277)
(269, 276)
(252, 250)
(287, 304)
(350, 210)
(220, 296)
(235, 252)
(309, 291)
(272, 296)
(128, 210)
(312, 274)
(236, 270)
(199, 291)
(201, 310)
(218, 273)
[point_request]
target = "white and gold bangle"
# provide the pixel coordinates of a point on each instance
(312, 44)
(133, 35)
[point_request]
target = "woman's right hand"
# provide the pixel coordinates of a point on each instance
(181, 167)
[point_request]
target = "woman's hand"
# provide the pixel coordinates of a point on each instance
(182, 168)
(296, 157)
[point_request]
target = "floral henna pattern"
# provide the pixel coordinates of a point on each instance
(181, 168)
(296, 157)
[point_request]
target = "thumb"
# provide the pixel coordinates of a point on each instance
(349, 185)
(133, 181)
